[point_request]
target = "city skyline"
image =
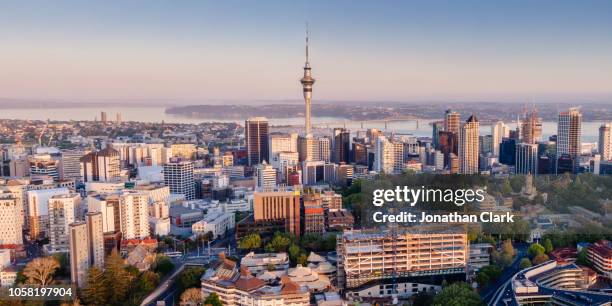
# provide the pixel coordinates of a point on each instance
(417, 51)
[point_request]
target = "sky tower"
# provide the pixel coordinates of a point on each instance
(307, 82)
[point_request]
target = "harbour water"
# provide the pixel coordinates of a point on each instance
(420, 128)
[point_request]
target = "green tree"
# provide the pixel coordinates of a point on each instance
(294, 252)
(540, 258)
(188, 278)
(96, 291)
(525, 263)
(548, 246)
(279, 243)
(213, 300)
(302, 259)
(488, 274)
(457, 294)
(162, 265)
(64, 262)
(147, 282)
(117, 278)
(535, 250)
(422, 299)
(249, 242)
(506, 189)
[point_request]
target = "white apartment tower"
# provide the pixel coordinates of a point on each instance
(605, 141)
(95, 238)
(79, 253)
(10, 224)
(499, 131)
(178, 175)
(265, 176)
(62, 212)
(134, 215)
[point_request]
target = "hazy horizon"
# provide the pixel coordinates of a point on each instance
(200, 52)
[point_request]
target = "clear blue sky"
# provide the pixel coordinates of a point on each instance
(360, 50)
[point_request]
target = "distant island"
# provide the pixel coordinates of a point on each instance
(486, 111)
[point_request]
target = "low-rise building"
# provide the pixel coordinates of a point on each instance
(265, 262)
(218, 224)
(600, 254)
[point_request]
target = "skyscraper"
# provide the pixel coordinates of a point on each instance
(323, 149)
(437, 127)
(103, 117)
(95, 238)
(569, 133)
(605, 141)
(308, 148)
(526, 158)
(10, 223)
(79, 253)
(499, 131)
(256, 136)
(265, 176)
(307, 82)
(278, 206)
(468, 146)
(342, 139)
(134, 215)
(531, 128)
(178, 175)
(452, 121)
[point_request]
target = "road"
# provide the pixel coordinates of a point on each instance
(491, 290)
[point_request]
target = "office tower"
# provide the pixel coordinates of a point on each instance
(507, 151)
(265, 176)
(605, 141)
(118, 118)
(308, 148)
(79, 253)
(10, 223)
(383, 255)
(38, 210)
(307, 82)
(346, 173)
(452, 121)
(372, 134)
(227, 160)
(178, 175)
(436, 127)
(283, 143)
(256, 137)
(44, 164)
(95, 238)
(323, 149)
(468, 146)
(499, 131)
(315, 172)
(103, 117)
(278, 206)
(526, 158)
(569, 133)
(448, 144)
(360, 153)
(531, 128)
(101, 166)
(134, 214)
(62, 212)
(342, 146)
(314, 215)
(485, 144)
(384, 158)
(70, 168)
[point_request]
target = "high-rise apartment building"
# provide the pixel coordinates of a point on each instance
(256, 138)
(134, 215)
(313, 214)
(101, 166)
(468, 146)
(278, 206)
(108, 206)
(569, 133)
(526, 158)
(452, 121)
(10, 224)
(79, 253)
(63, 210)
(366, 256)
(38, 210)
(388, 156)
(178, 175)
(44, 164)
(103, 117)
(95, 238)
(605, 141)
